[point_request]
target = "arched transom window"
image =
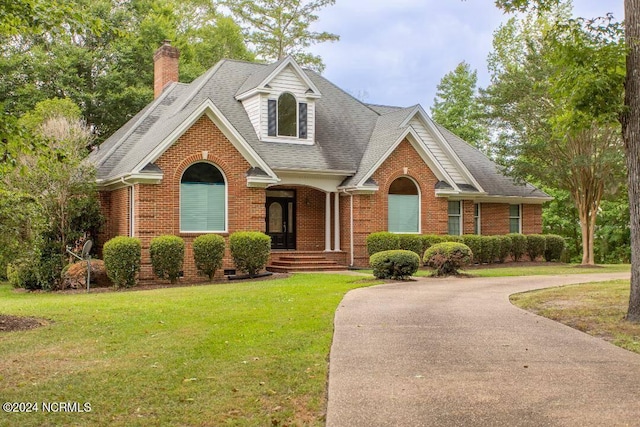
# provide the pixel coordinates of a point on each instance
(287, 117)
(203, 204)
(404, 206)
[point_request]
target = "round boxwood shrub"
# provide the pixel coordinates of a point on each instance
(536, 244)
(489, 249)
(208, 251)
(410, 242)
(250, 251)
(167, 257)
(474, 242)
(504, 247)
(382, 241)
(121, 257)
(429, 240)
(448, 257)
(395, 264)
(555, 246)
(518, 245)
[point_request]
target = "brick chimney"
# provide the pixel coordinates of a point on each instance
(165, 67)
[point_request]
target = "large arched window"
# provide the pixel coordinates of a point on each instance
(287, 117)
(203, 195)
(404, 206)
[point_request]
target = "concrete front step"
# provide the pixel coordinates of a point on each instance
(293, 269)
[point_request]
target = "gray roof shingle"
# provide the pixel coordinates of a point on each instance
(350, 137)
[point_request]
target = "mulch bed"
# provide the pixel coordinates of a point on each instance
(19, 323)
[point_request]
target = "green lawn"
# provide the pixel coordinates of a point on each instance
(595, 308)
(231, 354)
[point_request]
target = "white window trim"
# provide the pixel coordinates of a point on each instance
(226, 202)
(297, 107)
(519, 218)
(479, 217)
(419, 207)
(461, 223)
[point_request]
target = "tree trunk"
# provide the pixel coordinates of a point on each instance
(631, 136)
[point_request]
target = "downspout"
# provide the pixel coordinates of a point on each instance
(131, 206)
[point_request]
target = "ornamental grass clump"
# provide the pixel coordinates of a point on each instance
(250, 251)
(395, 264)
(555, 246)
(447, 258)
(382, 241)
(167, 257)
(121, 257)
(208, 251)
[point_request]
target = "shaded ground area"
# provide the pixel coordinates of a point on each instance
(19, 323)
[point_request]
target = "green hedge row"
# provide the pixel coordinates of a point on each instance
(249, 250)
(485, 249)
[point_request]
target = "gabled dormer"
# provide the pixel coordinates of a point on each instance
(280, 102)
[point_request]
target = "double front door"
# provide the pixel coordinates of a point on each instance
(281, 218)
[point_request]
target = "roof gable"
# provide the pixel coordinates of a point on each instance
(260, 81)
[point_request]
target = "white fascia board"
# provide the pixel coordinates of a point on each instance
(207, 107)
(327, 182)
(127, 179)
(443, 144)
(424, 153)
(344, 173)
(248, 94)
(359, 190)
(513, 200)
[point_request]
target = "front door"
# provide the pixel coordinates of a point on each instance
(281, 215)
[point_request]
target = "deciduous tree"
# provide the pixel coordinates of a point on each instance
(457, 108)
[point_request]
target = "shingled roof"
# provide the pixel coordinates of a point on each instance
(350, 136)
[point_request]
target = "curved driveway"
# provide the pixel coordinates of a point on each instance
(455, 352)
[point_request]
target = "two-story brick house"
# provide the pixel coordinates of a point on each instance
(280, 149)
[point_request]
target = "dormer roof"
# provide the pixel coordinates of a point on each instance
(259, 81)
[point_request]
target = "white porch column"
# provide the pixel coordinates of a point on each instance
(327, 222)
(336, 222)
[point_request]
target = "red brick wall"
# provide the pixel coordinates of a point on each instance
(494, 218)
(158, 206)
(532, 219)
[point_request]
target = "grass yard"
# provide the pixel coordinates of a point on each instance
(595, 308)
(242, 354)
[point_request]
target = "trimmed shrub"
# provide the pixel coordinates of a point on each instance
(410, 242)
(453, 238)
(448, 257)
(122, 260)
(536, 245)
(518, 245)
(74, 275)
(504, 247)
(429, 240)
(208, 251)
(490, 247)
(382, 241)
(167, 257)
(394, 264)
(474, 242)
(250, 251)
(554, 247)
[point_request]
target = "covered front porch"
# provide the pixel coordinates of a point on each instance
(306, 230)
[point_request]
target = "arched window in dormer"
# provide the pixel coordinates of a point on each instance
(287, 117)
(287, 123)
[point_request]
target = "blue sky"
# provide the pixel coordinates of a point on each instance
(395, 52)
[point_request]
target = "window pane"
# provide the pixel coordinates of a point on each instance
(202, 207)
(514, 225)
(403, 213)
(454, 208)
(514, 210)
(403, 185)
(287, 123)
(454, 225)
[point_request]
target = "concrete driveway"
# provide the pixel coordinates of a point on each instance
(455, 352)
